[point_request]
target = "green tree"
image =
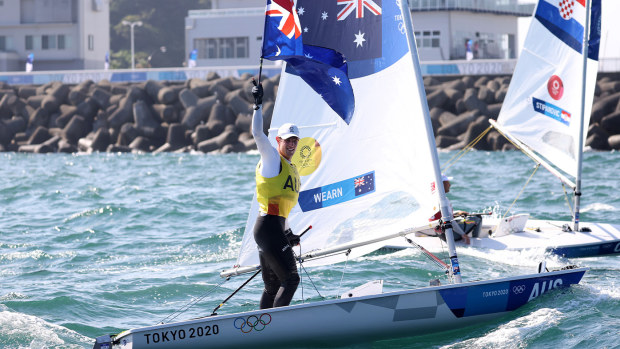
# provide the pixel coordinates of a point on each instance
(163, 26)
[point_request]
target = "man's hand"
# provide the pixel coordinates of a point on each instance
(293, 239)
(466, 239)
(257, 93)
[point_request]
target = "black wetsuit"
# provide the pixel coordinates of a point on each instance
(277, 262)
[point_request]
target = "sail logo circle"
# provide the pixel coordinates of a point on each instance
(252, 322)
(308, 156)
(518, 289)
(566, 8)
(555, 86)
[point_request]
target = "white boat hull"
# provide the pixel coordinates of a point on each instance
(389, 315)
(547, 236)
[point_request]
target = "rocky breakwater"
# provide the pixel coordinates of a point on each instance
(207, 115)
(460, 109)
(214, 114)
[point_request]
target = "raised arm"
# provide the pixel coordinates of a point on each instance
(269, 155)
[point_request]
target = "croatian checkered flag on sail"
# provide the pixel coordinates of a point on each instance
(565, 19)
(323, 69)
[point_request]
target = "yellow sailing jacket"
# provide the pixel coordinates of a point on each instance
(278, 195)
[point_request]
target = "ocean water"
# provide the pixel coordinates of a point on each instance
(95, 244)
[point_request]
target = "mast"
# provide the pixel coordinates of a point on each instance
(581, 117)
(446, 213)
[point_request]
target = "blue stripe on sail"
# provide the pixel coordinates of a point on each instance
(551, 111)
(569, 31)
(336, 193)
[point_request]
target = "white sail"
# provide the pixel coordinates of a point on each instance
(543, 105)
(395, 166)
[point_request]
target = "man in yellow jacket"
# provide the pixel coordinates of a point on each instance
(277, 191)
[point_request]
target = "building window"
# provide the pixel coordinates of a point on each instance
(91, 42)
(241, 47)
(48, 42)
(427, 38)
(435, 39)
(226, 47)
(212, 48)
(29, 45)
(2, 43)
(61, 42)
(48, 11)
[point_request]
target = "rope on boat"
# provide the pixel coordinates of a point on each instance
(572, 212)
(187, 306)
(522, 189)
(309, 278)
(343, 272)
(466, 149)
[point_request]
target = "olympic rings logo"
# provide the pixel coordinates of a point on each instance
(518, 289)
(252, 322)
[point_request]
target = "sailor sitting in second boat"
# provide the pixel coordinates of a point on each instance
(463, 225)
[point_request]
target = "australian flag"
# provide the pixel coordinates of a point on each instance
(353, 27)
(364, 184)
(323, 69)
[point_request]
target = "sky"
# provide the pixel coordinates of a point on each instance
(610, 30)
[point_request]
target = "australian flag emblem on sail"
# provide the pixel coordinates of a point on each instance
(322, 68)
(364, 184)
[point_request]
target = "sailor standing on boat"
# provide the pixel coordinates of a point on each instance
(277, 191)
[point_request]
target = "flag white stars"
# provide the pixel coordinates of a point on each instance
(337, 80)
(359, 39)
(301, 11)
(324, 16)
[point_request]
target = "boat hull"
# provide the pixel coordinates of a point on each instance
(389, 315)
(542, 235)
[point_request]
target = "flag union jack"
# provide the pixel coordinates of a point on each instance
(357, 6)
(359, 182)
(289, 23)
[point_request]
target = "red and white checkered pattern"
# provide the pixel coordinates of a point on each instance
(566, 8)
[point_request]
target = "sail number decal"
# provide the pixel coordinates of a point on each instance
(502, 296)
(336, 193)
(175, 335)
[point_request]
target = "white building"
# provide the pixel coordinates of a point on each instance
(62, 34)
(231, 32)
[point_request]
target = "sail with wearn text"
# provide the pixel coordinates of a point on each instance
(366, 178)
